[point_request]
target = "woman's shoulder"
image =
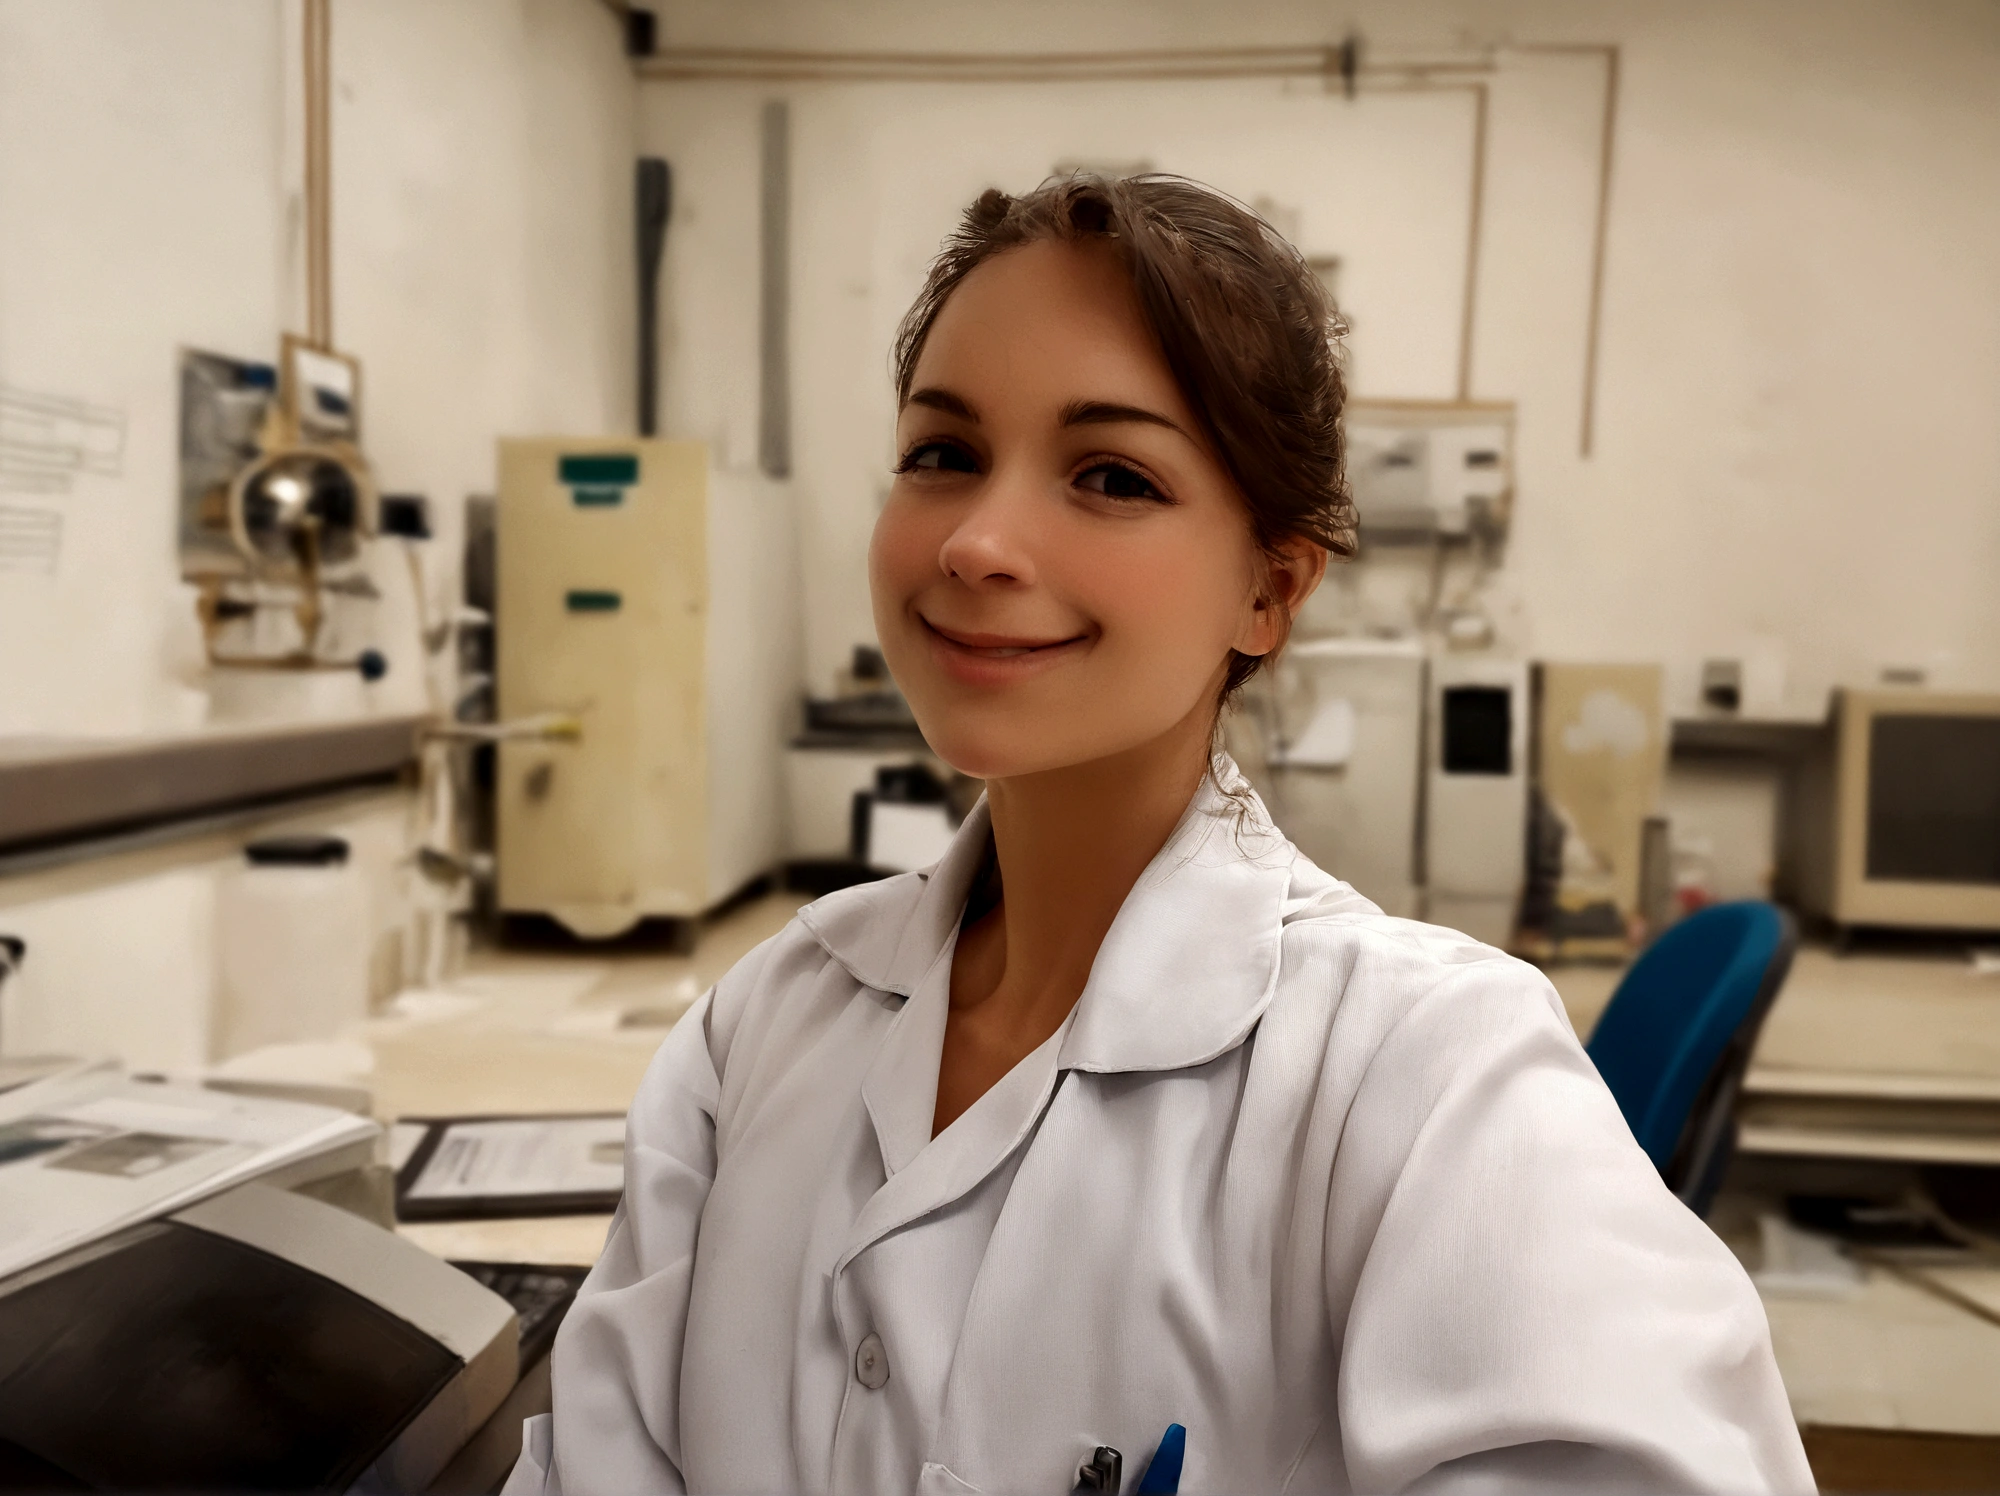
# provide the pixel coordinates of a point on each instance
(1373, 972)
(839, 947)
(1407, 1021)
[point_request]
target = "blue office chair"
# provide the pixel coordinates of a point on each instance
(1676, 1037)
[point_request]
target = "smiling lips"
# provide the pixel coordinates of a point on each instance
(995, 659)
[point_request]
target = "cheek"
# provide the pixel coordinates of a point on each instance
(1181, 589)
(902, 555)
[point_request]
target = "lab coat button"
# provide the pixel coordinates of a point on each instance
(871, 1364)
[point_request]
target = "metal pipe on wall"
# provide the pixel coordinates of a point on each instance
(777, 65)
(765, 65)
(1608, 130)
(653, 191)
(1474, 234)
(319, 172)
(774, 333)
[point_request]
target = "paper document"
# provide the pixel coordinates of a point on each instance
(83, 1154)
(522, 1156)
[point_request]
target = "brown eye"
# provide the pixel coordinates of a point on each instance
(934, 457)
(1116, 481)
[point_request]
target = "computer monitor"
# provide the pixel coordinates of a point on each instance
(1901, 823)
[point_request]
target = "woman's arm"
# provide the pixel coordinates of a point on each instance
(617, 1360)
(1530, 1307)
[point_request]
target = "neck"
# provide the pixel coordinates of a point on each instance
(1071, 844)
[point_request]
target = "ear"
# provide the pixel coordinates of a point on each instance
(1291, 572)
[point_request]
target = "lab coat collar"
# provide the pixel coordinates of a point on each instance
(1190, 963)
(889, 934)
(1184, 973)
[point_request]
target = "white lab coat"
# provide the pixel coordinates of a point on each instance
(1340, 1193)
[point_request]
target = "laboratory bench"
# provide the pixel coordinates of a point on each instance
(1892, 1056)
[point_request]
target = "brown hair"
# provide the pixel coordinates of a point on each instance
(1245, 325)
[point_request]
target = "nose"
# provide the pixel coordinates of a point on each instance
(992, 543)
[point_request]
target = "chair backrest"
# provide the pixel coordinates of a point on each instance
(1676, 1037)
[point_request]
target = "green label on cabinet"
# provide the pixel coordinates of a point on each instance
(598, 469)
(584, 600)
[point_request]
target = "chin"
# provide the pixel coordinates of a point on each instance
(989, 744)
(999, 744)
(985, 751)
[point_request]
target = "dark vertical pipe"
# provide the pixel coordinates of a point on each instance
(1475, 227)
(654, 187)
(774, 424)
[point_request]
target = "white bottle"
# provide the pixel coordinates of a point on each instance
(294, 940)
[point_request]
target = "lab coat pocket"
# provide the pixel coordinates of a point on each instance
(938, 1480)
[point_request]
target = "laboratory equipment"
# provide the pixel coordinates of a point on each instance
(1343, 760)
(276, 501)
(1426, 470)
(1897, 812)
(259, 1340)
(668, 798)
(1476, 794)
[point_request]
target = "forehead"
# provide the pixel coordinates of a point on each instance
(1052, 320)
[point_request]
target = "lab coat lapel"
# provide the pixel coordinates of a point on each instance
(900, 1089)
(913, 957)
(971, 1148)
(1191, 961)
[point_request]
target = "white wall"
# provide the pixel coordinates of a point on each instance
(140, 189)
(149, 184)
(149, 198)
(1801, 353)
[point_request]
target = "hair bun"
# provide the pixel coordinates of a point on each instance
(988, 211)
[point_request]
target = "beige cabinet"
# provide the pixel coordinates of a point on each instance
(603, 599)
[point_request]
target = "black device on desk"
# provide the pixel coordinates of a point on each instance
(541, 1294)
(257, 1340)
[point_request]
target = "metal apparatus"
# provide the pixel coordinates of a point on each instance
(276, 502)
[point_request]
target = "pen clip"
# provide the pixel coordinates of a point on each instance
(1104, 1472)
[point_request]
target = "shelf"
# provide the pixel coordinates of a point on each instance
(56, 790)
(1770, 737)
(1901, 1147)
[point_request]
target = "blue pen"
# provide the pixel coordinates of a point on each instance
(1163, 1471)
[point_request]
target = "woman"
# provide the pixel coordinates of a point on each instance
(1125, 1115)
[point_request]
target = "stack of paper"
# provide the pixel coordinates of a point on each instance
(92, 1150)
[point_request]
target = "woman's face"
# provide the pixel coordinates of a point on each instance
(1063, 565)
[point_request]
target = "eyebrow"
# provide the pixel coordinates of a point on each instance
(944, 400)
(1106, 413)
(1076, 413)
